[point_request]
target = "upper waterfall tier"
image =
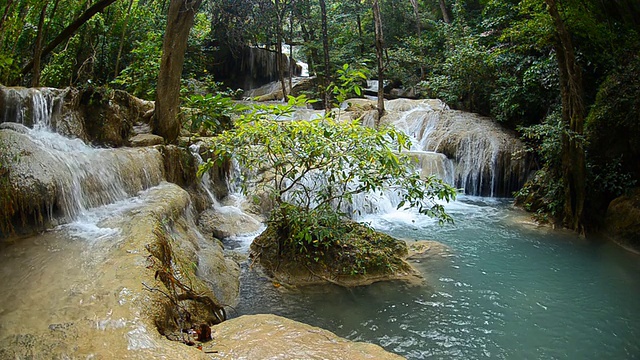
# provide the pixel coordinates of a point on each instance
(480, 156)
(53, 177)
(488, 160)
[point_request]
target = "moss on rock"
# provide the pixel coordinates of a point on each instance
(353, 255)
(623, 220)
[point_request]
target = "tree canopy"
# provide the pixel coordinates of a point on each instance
(501, 58)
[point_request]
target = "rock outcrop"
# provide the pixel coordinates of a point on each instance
(95, 115)
(622, 221)
(274, 337)
(357, 255)
(249, 67)
(118, 296)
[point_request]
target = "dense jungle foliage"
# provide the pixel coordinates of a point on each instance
(563, 73)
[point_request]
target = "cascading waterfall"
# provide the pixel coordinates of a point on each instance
(81, 177)
(230, 208)
(484, 157)
(464, 150)
(29, 107)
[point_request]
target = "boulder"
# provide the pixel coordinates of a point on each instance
(622, 221)
(274, 337)
(227, 221)
(356, 255)
(142, 140)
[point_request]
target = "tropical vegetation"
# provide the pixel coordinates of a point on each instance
(562, 73)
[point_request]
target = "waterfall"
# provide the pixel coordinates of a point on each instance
(64, 177)
(29, 107)
(483, 156)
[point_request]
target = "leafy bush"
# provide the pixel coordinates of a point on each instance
(8, 68)
(141, 76)
(317, 167)
(544, 193)
(461, 79)
(210, 113)
(348, 83)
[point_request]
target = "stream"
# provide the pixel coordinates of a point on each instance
(509, 290)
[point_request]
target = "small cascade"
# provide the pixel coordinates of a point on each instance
(274, 88)
(62, 178)
(232, 223)
(304, 72)
(484, 156)
(29, 106)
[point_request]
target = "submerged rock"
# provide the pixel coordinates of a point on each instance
(623, 220)
(260, 337)
(427, 249)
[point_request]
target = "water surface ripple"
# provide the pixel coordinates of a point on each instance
(509, 290)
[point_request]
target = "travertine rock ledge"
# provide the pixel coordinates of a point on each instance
(258, 337)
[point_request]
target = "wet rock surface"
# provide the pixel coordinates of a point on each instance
(623, 220)
(141, 140)
(76, 297)
(225, 222)
(274, 337)
(52, 177)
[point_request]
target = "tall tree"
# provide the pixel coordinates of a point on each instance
(5, 15)
(122, 37)
(35, 81)
(416, 13)
(445, 12)
(70, 30)
(377, 19)
(571, 90)
(180, 17)
(279, 7)
(325, 46)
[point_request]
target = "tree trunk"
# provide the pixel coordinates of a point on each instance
(377, 19)
(416, 12)
(292, 65)
(573, 156)
(7, 10)
(358, 7)
(279, 55)
(445, 12)
(70, 30)
(180, 17)
(122, 36)
(37, 53)
(325, 46)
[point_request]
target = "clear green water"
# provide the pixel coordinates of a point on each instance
(509, 291)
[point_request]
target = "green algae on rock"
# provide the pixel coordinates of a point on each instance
(357, 255)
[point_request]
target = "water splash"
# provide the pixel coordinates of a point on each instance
(84, 177)
(485, 157)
